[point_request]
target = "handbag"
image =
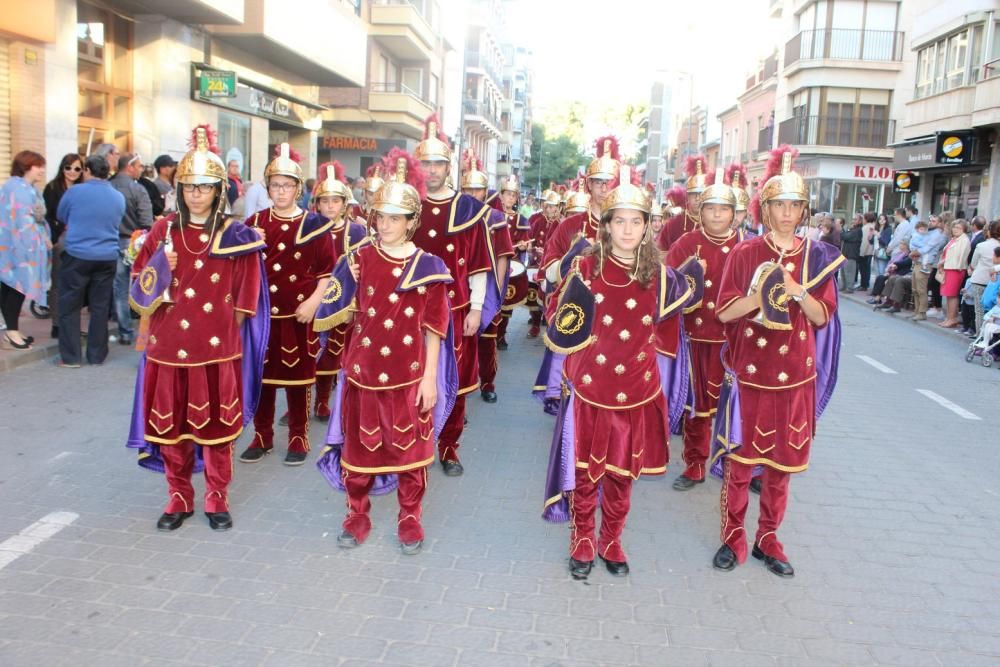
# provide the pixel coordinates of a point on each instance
(882, 253)
(939, 276)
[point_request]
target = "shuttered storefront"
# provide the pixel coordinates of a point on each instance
(5, 148)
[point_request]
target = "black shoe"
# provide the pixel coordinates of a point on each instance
(782, 568)
(295, 458)
(284, 420)
(872, 301)
(502, 344)
(29, 340)
(894, 310)
(125, 339)
(580, 569)
(755, 485)
(219, 520)
(685, 483)
(489, 396)
(347, 541)
(452, 468)
(883, 306)
(254, 454)
(616, 568)
(411, 548)
(54, 334)
(172, 520)
(724, 559)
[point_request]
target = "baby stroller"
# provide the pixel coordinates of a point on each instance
(985, 343)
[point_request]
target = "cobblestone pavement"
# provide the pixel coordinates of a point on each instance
(892, 532)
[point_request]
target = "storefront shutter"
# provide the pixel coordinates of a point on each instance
(5, 148)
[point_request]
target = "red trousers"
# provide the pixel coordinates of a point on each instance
(735, 497)
(324, 385)
(488, 362)
(412, 486)
(616, 497)
(502, 326)
(452, 432)
(298, 417)
(697, 440)
(178, 463)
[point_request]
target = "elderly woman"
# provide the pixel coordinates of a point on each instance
(981, 268)
(24, 245)
(954, 263)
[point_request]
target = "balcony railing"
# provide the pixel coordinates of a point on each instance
(396, 87)
(483, 110)
(482, 61)
(837, 131)
(843, 44)
(764, 139)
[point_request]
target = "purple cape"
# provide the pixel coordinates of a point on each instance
(822, 260)
(253, 334)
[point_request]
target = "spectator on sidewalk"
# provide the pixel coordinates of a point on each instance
(850, 246)
(138, 215)
(24, 245)
(981, 267)
(954, 263)
(933, 286)
(978, 234)
(883, 235)
(912, 215)
(165, 167)
(902, 231)
(93, 212)
(235, 190)
(867, 252)
(925, 249)
(255, 199)
(968, 310)
(70, 173)
(892, 290)
(111, 154)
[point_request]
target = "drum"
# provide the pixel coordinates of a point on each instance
(517, 288)
(516, 268)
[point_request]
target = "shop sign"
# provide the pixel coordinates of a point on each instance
(254, 101)
(953, 147)
(914, 156)
(906, 181)
(342, 143)
(216, 83)
(872, 172)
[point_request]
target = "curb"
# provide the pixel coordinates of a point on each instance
(860, 298)
(11, 359)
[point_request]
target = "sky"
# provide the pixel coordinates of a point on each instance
(600, 51)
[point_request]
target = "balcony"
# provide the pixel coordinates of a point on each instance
(774, 8)
(765, 139)
(480, 112)
(482, 61)
(281, 38)
(836, 131)
(186, 11)
(838, 44)
(985, 110)
(402, 30)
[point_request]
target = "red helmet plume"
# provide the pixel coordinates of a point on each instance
(414, 174)
(433, 121)
(211, 135)
(737, 168)
(470, 162)
(754, 208)
(691, 165)
(338, 171)
(651, 187)
(607, 146)
(773, 167)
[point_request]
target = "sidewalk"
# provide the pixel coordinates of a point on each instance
(44, 347)
(930, 324)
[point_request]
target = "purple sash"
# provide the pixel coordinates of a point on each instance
(560, 478)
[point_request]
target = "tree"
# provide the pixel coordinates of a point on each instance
(553, 159)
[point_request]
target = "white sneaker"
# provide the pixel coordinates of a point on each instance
(934, 312)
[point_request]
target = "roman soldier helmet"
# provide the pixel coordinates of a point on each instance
(510, 184)
(736, 176)
(402, 193)
(374, 180)
(434, 146)
(606, 164)
(331, 182)
(654, 210)
(578, 199)
(285, 163)
(675, 201)
(629, 194)
(718, 192)
(780, 183)
(552, 197)
(202, 163)
(694, 167)
(473, 177)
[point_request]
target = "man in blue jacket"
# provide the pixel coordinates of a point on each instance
(92, 212)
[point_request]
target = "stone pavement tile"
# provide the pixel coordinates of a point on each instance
(483, 565)
(548, 604)
(968, 660)
(174, 561)
(630, 592)
(473, 658)
(21, 582)
(509, 583)
(475, 597)
(390, 628)
(406, 653)
(463, 637)
(280, 637)
(136, 575)
(212, 628)
(837, 650)
(727, 658)
(428, 592)
(154, 644)
(702, 638)
(770, 643)
(365, 648)
(248, 589)
(435, 612)
(308, 597)
(248, 610)
(669, 616)
(92, 637)
(620, 611)
(297, 659)
(794, 627)
(656, 656)
(904, 657)
(567, 626)
(450, 577)
(151, 620)
(75, 611)
(223, 654)
(120, 555)
(133, 596)
(184, 582)
(727, 620)
(199, 605)
(603, 650)
(978, 642)
(26, 604)
(501, 619)
(372, 605)
(76, 589)
(634, 633)
(562, 662)
(64, 548)
(526, 643)
(220, 550)
(172, 543)
(30, 654)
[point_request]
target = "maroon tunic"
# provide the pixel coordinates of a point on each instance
(561, 240)
(346, 238)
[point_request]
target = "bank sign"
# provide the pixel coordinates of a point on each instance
(953, 147)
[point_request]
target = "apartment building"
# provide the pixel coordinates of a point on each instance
(947, 153)
(483, 87)
(514, 151)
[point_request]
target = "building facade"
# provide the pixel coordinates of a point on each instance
(514, 153)
(483, 99)
(947, 155)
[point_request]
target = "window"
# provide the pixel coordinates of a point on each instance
(951, 62)
(956, 52)
(234, 141)
(413, 81)
(432, 96)
(104, 79)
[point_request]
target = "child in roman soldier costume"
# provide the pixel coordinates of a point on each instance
(679, 225)
(373, 184)
(400, 378)
(199, 281)
(613, 423)
(299, 248)
(456, 228)
(736, 176)
(331, 198)
(710, 244)
(778, 300)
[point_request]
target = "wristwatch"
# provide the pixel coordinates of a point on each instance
(801, 295)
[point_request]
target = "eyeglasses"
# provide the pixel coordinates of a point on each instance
(72, 168)
(203, 188)
(282, 187)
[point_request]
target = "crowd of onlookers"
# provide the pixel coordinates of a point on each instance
(942, 267)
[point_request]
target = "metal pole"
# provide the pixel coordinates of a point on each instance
(541, 159)
(690, 109)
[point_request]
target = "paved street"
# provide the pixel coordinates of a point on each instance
(892, 533)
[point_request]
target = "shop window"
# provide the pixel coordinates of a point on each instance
(951, 62)
(104, 76)
(234, 141)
